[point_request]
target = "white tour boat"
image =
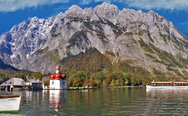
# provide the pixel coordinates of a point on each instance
(167, 85)
(9, 103)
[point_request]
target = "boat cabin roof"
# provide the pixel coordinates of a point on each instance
(180, 82)
(170, 82)
(9, 96)
(161, 82)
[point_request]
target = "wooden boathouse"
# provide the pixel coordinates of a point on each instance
(12, 83)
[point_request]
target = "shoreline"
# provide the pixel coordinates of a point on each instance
(81, 88)
(76, 88)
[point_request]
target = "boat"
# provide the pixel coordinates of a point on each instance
(9, 103)
(167, 85)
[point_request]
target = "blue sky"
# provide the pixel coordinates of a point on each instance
(12, 12)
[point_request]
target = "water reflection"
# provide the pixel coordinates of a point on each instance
(131, 101)
(167, 93)
(40, 103)
(167, 101)
(57, 99)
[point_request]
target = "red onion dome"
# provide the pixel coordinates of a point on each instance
(63, 76)
(51, 77)
(57, 76)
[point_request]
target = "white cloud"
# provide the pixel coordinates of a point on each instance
(13, 5)
(85, 2)
(148, 4)
(158, 4)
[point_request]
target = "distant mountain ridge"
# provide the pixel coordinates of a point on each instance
(141, 39)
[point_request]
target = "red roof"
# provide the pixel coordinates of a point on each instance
(57, 77)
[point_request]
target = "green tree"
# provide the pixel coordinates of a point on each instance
(104, 83)
(70, 81)
(77, 82)
(126, 78)
(113, 83)
(117, 83)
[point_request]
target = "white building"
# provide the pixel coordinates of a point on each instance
(57, 80)
(34, 84)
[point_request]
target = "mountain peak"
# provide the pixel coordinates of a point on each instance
(75, 8)
(152, 12)
(60, 14)
(33, 18)
(107, 10)
(106, 5)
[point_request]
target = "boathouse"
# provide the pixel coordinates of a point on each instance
(13, 83)
(57, 80)
(34, 84)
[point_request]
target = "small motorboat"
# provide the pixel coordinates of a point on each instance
(9, 103)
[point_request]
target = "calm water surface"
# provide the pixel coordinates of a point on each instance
(131, 101)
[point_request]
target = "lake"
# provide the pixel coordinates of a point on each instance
(107, 101)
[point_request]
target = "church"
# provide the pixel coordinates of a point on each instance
(57, 80)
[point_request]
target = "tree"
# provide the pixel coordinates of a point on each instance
(117, 83)
(77, 82)
(104, 83)
(126, 78)
(70, 82)
(113, 83)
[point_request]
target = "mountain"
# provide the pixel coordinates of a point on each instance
(94, 39)
(4, 66)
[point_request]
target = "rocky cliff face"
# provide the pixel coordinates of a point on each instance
(142, 39)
